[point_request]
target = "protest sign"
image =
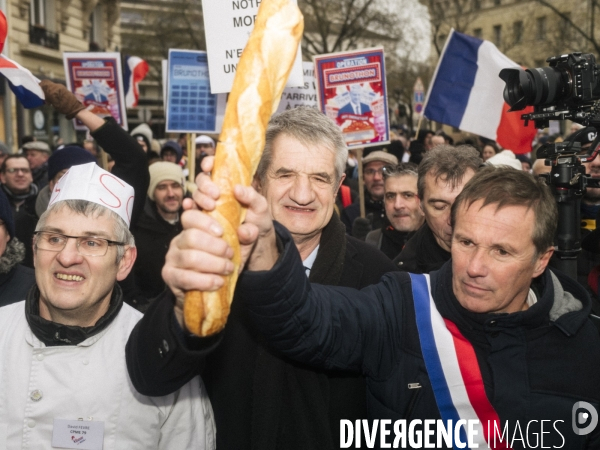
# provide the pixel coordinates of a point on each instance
(351, 90)
(227, 26)
(305, 95)
(97, 82)
(190, 106)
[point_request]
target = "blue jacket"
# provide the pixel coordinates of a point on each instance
(536, 364)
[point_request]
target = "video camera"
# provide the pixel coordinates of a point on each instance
(568, 89)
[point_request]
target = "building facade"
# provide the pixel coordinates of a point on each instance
(527, 31)
(149, 28)
(39, 32)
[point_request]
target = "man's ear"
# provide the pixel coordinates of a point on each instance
(542, 262)
(256, 184)
(126, 263)
(342, 178)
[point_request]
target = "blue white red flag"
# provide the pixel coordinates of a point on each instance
(454, 371)
(135, 71)
(466, 93)
(21, 81)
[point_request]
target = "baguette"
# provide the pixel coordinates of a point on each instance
(261, 75)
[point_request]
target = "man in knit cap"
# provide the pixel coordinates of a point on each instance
(63, 364)
(143, 135)
(157, 225)
(171, 151)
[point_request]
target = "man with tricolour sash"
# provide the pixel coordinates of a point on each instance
(494, 350)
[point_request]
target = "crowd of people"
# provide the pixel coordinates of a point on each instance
(333, 311)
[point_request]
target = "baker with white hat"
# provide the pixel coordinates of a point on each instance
(65, 343)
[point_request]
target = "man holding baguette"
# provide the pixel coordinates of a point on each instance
(494, 349)
(261, 399)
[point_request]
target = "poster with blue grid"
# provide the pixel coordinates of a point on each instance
(190, 106)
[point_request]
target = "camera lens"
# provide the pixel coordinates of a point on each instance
(550, 85)
(537, 87)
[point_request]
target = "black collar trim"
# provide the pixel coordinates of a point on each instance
(54, 334)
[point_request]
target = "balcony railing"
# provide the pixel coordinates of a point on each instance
(43, 37)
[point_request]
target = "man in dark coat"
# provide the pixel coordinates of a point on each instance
(262, 400)
(443, 172)
(158, 224)
(494, 338)
(15, 279)
(17, 184)
(403, 212)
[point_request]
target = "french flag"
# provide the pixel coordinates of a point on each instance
(21, 81)
(135, 71)
(466, 93)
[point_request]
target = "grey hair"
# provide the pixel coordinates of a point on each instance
(91, 209)
(310, 127)
(401, 170)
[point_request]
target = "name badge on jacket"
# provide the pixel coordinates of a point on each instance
(83, 434)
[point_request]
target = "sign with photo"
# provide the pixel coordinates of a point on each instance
(97, 82)
(190, 105)
(352, 91)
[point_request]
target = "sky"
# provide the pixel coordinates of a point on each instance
(416, 26)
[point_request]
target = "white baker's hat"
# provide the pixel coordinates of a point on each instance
(94, 184)
(204, 139)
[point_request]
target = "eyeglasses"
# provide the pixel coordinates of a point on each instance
(86, 245)
(382, 171)
(16, 169)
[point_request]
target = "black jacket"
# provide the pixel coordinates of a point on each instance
(261, 401)
(375, 207)
(152, 236)
(389, 240)
(422, 253)
(535, 364)
(15, 284)
(25, 219)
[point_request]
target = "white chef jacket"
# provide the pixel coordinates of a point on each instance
(90, 381)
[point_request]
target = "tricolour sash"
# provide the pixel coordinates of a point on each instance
(453, 369)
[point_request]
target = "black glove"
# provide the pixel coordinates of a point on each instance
(361, 226)
(63, 100)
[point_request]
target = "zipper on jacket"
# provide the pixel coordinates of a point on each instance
(416, 390)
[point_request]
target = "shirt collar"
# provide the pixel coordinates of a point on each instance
(310, 260)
